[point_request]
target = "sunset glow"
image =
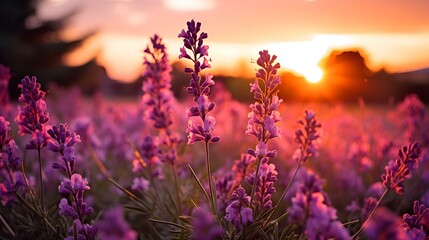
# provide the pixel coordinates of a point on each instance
(300, 33)
(303, 57)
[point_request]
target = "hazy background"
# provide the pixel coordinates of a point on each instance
(375, 50)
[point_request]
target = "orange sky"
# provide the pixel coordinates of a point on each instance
(392, 33)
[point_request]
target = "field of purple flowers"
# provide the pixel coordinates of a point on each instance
(209, 167)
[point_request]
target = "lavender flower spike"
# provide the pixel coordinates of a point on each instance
(238, 211)
(195, 50)
(63, 142)
(156, 87)
(264, 112)
(307, 137)
(414, 224)
(113, 226)
(400, 169)
(33, 116)
(204, 225)
(77, 209)
(263, 117)
(9, 162)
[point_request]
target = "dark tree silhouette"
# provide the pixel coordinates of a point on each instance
(32, 46)
(346, 73)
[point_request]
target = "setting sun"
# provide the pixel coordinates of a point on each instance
(303, 57)
(314, 75)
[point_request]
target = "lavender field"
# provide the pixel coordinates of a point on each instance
(209, 166)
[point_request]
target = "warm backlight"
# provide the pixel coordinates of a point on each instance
(314, 74)
(303, 57)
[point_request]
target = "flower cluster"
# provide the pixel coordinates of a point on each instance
(113, 226)
(238, 211)
(63, 142)
(263, 117)
(307, 137)
(264, 185)
(33, 116)
(413, 113)
(198, 129)
(310, 209)
(204, 225)
(10, 178)
(157, 95)
(73, 186)
(77, 209)
(158, 98)
(264, 112)
(400, 169)
(385, 225)
(414, 224)
(149, 157)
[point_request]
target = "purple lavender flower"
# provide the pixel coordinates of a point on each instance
(264, 185)
(414, 224)
(204, 225)
(412, 112)
(113, 226)
(311, 209)
(4, 83)
(84, 231)
(307, 137)
(10, 178)
(150, 153)
(384, 225)
(63, 142)
(77, 209)
(238, 211)
(368, 206)
(33, 116)
(198, 131)
(156, 87)
(400, 169)
(322, 223)
(73, 186)
(224, 187)
(140, 184)
(243, 166)
(263, 117)
(264, 113)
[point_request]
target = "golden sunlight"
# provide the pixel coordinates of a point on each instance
(314, 75)
(303, 57)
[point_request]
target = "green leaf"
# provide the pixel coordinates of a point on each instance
(199, 183)
(167, 223)
(263, 234)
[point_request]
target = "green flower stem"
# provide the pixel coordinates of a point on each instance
(285, 191)
(42, 190)
(370, 215)
(255, 181)
(176, 183)
(209, 175)
(7, 226)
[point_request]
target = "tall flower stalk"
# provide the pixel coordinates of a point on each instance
(396, 172)
(306, 138)
(32, 119)
(200, 124)
(9, 162)
(264, 115)
(73, 186)
(157, 100)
